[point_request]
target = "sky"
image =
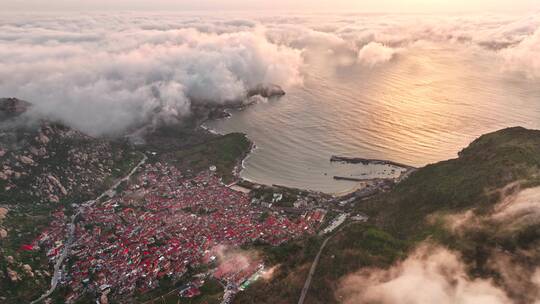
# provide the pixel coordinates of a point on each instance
(384, 6)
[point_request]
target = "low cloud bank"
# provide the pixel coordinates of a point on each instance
(375, 53)
(431, 274)
(375, 39)
(434, 274)
(104, 73)
(517, 210)
(523, 57)
(115, 80)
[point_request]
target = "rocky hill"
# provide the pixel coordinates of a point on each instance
(45, 167)
(12, 107)
(266, 90)
(461, 225)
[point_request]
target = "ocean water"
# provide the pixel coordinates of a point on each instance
(423, 106)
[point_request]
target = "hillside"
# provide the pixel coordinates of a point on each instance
(487, 164)
(426, 208)
(48, 170)
(480, 209)
(45, 167)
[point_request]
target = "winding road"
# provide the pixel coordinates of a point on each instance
(71, 231)
(312, 272)
(307, 284)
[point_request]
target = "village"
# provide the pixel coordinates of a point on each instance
(162, 224)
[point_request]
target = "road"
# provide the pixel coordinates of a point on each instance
(312, 272)
(230, 292)
(307, 284)
(71, 232)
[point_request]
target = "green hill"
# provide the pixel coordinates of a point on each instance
(398, 221)
(489, 163)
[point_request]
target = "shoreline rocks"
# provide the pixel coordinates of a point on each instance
(267, 90)
(367, 161)
(13, 107)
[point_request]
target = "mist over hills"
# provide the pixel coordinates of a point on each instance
(104, 73)
(466, 230)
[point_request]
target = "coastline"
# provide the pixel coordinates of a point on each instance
(367, 161)
(358, 187)
(227, 112)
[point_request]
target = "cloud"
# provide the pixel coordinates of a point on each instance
(523, 57)
(376, 39)
(269, 273)
(104, 73)
(234, 263)
(519, 279)
(519, 210)
(125, 75)
(435, 274)
(375, 53)
(431, 274)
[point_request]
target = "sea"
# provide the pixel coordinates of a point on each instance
(421, 107)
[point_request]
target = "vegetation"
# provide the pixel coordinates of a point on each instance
(168, 292)
(222, 152)
(357, 246)
(27, 217)
(489, 163)
(398, 219)
(292, 261)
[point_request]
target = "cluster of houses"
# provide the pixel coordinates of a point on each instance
(161, 225)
